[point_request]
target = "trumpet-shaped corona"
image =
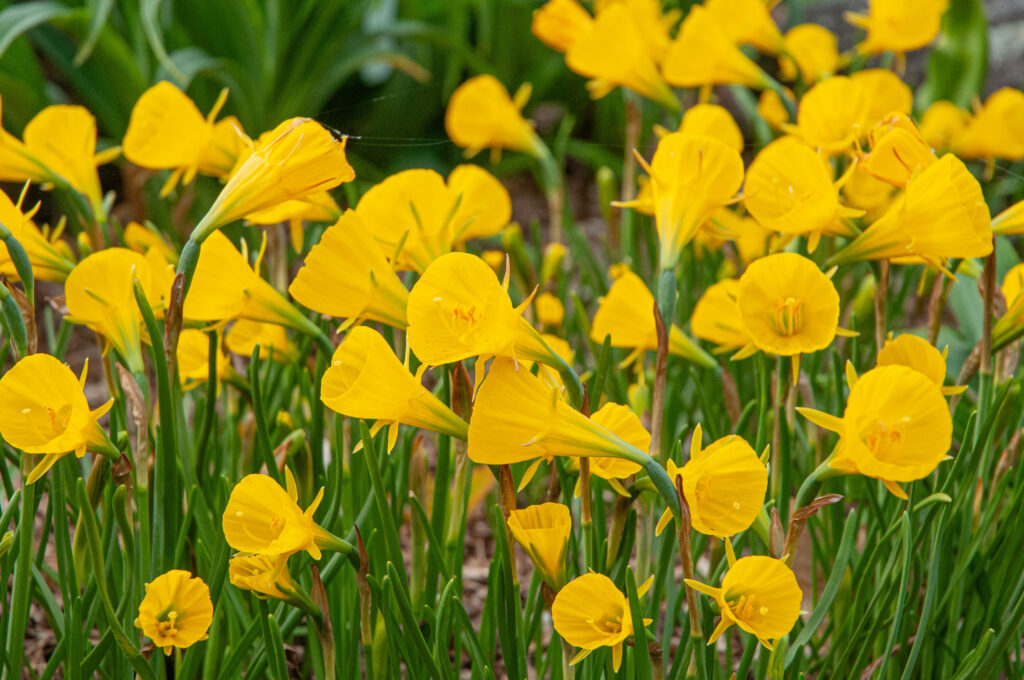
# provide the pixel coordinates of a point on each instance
(543, 532)
(482, 115)
(720, 60)
(176, 611)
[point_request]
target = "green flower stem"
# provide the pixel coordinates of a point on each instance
(22, 591)
(90, 525)
(666, 307)
(551, 177)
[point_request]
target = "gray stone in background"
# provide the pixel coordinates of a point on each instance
(1006, 38)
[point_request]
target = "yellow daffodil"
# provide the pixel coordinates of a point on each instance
(458, 309)
(1011, 324)
(366, 380)
(226, 287)
(898, 25)
(941, 123)
(832, 115)
(887, 94)
(560, 23)
(482, 115)
(613, 52)
(721, 62)
(299, 158)
(759, 594)
(59, 148)
(626, 315)
(788, 306)
(920, 355)
(176, 611)
(941, 214)
(245, 334)
(715, 121)
(166, 131)
(812, 50)
(747, 22)
(691, 176)
(716, 317)
(417, 211)
(868, 193)
(347, 275)
(898, 152)
(550, 311)
(896, 426)
(194, 359)
(996, 130)
(724, 485)
(43, 410)
(517, 416)
(264, 519)
(590, 613)
(49, 262)
(772, 109)
(99, 294)
(789, 189)
(543, 532)
(1010, 221)
(265, 575)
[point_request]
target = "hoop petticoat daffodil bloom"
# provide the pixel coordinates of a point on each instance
(714, 121)
(48, 262)
(759, 594)
(995, 131)
(543, 532)
(788, 306)
(812, 50)
(99, 293)
(896, 427)
(720, 60)
(624, 423)
(366, 380)
(941, 214)
(176, 611)
(560, 23)
(1010, 221)
(613, 52)
(59, 149)
(264, 575)
(166, 131)
(898, 25)
(789, 189)
(590, 613)
(347, 275)
(299, 158)
(481, 115)
(898, 152)
(517, 416)
(626, 315)
(458, 309)
(716, 317)
(941, 123)
(1011, 324)
(919, 354)
(43, 410)
(244, 335)
(264, 519)
(416, 216)
(691, 176)
(724, 485)
(226, 287)
(746, 22)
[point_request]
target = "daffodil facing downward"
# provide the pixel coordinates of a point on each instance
(176, 611)
(759, 594)
(263, 519)
(43, 410)
(720, 62)
(691, 176)
(590, 613)
(482, 115)
(896, 427)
